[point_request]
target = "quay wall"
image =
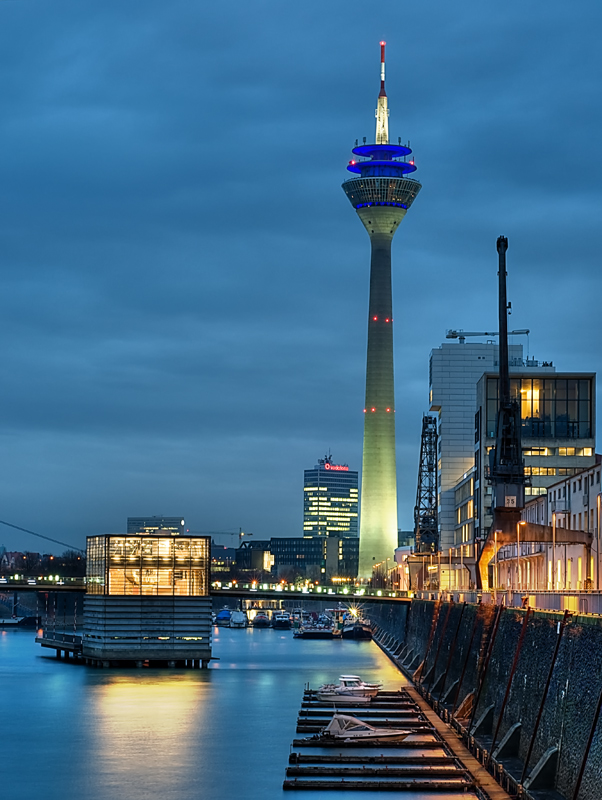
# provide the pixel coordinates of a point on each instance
(499, 659)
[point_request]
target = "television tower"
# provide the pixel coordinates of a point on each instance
(381, 195)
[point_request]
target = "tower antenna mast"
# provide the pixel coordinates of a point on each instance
(382, 110)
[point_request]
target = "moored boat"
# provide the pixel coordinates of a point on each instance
(238, 619)
(282, 620)
(346, 728)
(223, 617)
(356, 628)
(349, 686)
(261, 620)
(314, 632)
(339, 699)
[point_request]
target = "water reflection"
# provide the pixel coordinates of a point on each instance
(146, 729)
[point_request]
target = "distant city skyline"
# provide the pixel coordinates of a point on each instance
(183, 284)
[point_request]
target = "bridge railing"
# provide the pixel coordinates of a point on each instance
(60, 636)
(575, 601)
(312, 590)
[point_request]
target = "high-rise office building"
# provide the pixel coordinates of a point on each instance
(330, 500)
(381, 195)
(153, 524)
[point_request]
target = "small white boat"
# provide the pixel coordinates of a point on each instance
(349, 686)
(238, 619)
(377, 685)
(345, 728)
(338, 699)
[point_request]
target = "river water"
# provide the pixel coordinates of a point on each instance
(217, 734)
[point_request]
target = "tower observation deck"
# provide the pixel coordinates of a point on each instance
(381, 195)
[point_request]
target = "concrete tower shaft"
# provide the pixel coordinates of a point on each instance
(381, 196)
(378, 507)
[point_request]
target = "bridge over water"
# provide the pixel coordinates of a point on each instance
(246, 591)
(274, 591)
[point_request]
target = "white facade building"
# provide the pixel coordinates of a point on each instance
(573, 503)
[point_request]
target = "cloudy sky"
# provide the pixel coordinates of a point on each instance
(183, 283)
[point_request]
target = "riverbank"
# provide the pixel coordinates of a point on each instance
(521, 687)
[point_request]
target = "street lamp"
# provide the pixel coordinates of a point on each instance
(598, 504)
(518, 575)
(496, 577)
(553, 586)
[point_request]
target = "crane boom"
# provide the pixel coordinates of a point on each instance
(453, 334)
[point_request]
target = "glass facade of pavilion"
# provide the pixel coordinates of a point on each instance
(148, 565)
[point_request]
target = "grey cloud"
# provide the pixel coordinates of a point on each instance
(184, 284)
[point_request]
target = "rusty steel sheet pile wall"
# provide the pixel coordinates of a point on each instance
(573, 695)
(420, 620)
(466, 636)
(536, 677)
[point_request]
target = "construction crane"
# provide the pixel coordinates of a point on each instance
(426, 528)
(507, 467)
(240, 534)
(461, 335)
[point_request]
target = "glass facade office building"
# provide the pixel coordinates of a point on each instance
(558, 413)
(148, 565)
(330, 500)
(555, 407)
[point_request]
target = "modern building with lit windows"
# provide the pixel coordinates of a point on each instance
(330, 500)
(147, 599)
(558, 415)
(319, 558)
(153, 524)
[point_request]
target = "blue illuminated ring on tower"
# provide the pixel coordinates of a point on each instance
(379, 161)
(381, 169)
(382, 191)
(381, 151)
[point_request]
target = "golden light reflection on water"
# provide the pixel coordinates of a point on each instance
(145, 729)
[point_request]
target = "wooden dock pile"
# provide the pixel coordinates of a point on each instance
(420, 763)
